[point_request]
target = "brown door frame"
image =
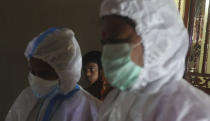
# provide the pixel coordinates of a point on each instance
(187, 12)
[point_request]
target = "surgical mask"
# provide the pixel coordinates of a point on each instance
(118, 67)
(42, 87)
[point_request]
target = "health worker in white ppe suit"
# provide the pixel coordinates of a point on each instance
(55, 65)
(144, 49)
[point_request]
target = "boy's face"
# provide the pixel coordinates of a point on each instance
(92, 72)
(42, 69)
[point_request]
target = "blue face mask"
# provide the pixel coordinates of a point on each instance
(118, 67)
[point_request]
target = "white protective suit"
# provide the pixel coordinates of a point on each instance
(59, 48)
(160, 93)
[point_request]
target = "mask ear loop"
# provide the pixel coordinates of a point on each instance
(137, 44)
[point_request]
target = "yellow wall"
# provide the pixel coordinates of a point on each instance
(177, 2)
(205, 15)
(182, 9)
(208, 68)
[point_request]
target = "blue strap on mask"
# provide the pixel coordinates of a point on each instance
(49, 111)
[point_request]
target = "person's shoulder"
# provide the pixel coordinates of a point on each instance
(87, 96)
(183, 90)
(189, 99)
(26, 94)
(27, 90)
(194, 93)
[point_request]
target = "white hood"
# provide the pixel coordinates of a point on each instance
(164, 37)
(59, 48)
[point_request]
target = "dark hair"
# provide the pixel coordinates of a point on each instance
(93, 56)
(129, 21)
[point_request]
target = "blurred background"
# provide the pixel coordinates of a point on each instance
(22, 20)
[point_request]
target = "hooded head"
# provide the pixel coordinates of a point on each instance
(164, 37)
(59, 49)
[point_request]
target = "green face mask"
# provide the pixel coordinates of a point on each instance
(119, 69)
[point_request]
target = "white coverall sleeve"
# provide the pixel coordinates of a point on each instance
(22, 106)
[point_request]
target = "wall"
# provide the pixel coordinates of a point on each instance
(208, 64)
(182, 6)
(208, 37)
(21, 20)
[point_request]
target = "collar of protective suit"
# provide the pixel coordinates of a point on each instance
(59, 48)
(163, 34)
